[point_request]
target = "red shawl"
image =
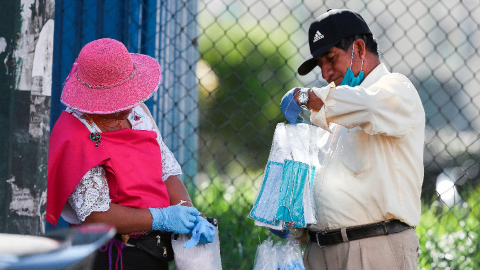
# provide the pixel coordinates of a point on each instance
(131, 158)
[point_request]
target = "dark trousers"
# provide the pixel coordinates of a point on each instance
(108, 257)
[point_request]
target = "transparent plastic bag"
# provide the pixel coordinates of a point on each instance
(286, 196)
(199, 257)
(266, 256)
(279, 257)
(290, 256)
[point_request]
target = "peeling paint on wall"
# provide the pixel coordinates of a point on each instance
(34, 54)
(42, 62)
(39, 116)
(24, 203)
(3, 47)
(23, 54)
(3, 44)
(26, 54)
(36, 33)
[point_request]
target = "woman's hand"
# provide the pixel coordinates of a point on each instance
(175, 218)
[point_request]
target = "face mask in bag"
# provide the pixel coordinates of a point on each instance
(265, 207)
(290, 201)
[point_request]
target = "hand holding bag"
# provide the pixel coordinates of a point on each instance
(201, 257)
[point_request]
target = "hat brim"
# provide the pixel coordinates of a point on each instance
(129, 94)
(311, 63)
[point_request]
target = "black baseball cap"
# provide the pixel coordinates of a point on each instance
(329, 29)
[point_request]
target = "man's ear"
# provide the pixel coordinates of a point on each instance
(360, 47)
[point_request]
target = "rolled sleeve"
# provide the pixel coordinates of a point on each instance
(318, 118)
(386, 107)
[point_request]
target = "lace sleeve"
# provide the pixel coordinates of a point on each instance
(91, 194)
(170, 164)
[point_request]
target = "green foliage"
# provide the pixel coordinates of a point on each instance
(449, 237)
(238, 117)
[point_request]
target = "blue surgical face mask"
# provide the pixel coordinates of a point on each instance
(349, 79)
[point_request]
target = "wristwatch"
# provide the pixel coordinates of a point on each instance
(303, 98)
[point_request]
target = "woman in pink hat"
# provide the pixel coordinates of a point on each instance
(108, 163)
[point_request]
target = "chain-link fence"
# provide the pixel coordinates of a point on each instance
(249, 52)
(218, 108)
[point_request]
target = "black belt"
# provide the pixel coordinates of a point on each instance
(323, 238)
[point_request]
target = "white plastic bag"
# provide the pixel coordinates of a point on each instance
(279, 257)
(199, 257)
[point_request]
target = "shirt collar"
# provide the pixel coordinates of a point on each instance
(374, 75)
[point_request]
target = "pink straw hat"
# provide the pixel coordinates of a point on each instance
(106, 78)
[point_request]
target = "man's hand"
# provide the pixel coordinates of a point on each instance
(290, 107)
(314, 102)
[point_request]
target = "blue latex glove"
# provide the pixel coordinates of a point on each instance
(176, 218)
(281, 233)
(290, 108)
(202, 233)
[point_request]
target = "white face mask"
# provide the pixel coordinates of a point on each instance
(349, 79)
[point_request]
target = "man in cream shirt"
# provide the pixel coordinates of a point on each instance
(367, 191)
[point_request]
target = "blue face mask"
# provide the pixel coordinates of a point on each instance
(349, 79)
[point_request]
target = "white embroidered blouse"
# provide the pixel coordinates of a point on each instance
(92, 193)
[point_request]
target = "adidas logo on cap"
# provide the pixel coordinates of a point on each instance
(317, 37)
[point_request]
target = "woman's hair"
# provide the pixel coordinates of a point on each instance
(371, 43)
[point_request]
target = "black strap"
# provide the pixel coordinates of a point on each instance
(382, 228)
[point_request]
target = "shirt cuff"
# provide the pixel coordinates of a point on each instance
(318, 118)
(323, 92)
